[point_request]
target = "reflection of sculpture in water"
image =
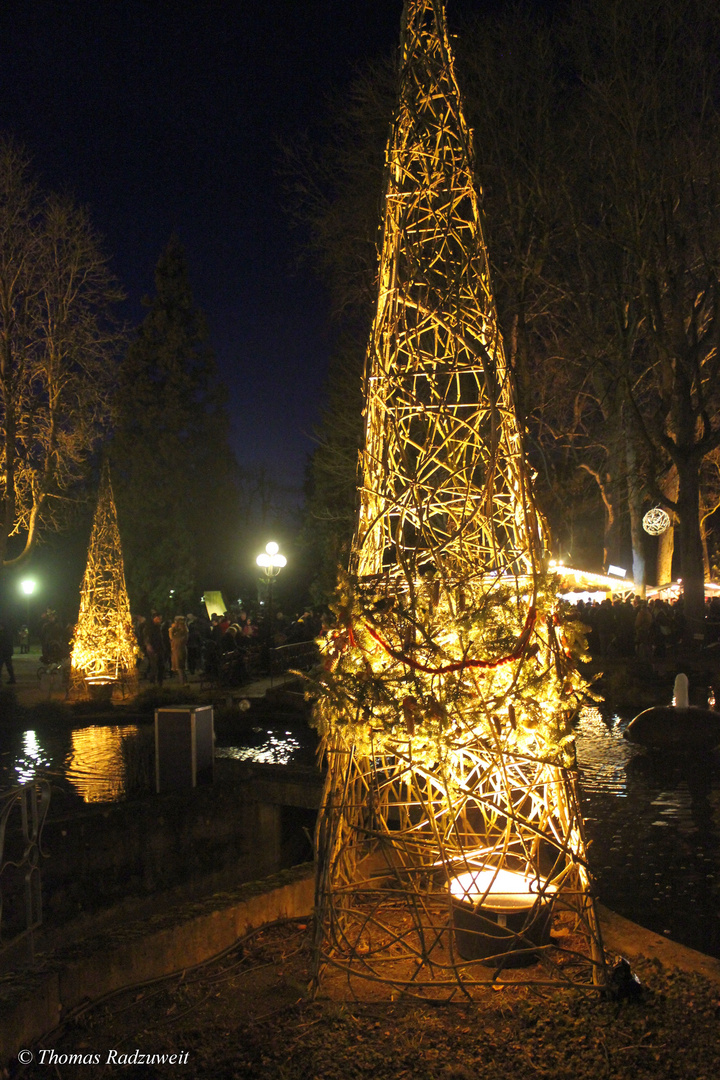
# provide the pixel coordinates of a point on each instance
(96, 765)
(687, 789)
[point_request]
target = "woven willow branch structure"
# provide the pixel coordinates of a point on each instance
(450, 839)
(104, 646)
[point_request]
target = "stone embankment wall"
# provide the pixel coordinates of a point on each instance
(253, 822)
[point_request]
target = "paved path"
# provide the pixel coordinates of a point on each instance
(37, 682)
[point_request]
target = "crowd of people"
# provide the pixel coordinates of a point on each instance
(235, 646)
(230, 647)
(646, 629)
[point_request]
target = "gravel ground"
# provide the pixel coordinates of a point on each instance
(247, 1015)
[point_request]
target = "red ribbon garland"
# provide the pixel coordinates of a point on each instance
(461, 664)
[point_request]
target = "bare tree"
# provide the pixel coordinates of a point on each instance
(56, 349)
(650, 82)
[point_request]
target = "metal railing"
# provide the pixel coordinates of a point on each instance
(22, 815)
(296, 656)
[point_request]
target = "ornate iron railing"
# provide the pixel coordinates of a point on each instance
(22, 815)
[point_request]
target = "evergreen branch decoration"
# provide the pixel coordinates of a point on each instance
(449, 684)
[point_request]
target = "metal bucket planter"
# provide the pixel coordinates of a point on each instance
(500, 913)
(100, 689)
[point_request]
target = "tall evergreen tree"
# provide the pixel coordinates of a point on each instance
(176, 484)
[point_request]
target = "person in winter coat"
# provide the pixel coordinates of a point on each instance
(154, 649)
(178, 647)
(6, 652)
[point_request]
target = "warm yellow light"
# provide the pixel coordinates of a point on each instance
(96, 765)
(448, 689)
(104, 645)
(28, 586)
(503, 890)
(272, 548)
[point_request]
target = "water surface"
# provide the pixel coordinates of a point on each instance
(114, 762)
(653, 823)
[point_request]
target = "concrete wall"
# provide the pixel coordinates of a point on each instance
(38, 998)
(99, 855)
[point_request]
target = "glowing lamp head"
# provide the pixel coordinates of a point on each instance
(501, 890)
(270, 559)
(28, 586)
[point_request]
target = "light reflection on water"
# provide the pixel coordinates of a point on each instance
(653, 823)
(89, 760)
(274, 749)
(602, 752)
(95, 765)
(32, 760)
(109, 763)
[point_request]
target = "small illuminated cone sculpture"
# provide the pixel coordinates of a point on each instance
(448, 690)
(104, 646)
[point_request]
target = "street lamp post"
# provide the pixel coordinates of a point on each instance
(271, 562)
(27, 586)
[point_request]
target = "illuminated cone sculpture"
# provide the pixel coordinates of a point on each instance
(448, 687)
(104, 646)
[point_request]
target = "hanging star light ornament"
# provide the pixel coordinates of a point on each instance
(656, 521)
(449, 685)
(104, 647)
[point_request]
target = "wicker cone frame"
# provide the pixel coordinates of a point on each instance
(104, 644)
(448, 689)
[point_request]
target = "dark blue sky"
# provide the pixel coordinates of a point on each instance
(162, 116)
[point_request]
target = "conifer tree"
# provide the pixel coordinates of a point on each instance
(175, 486)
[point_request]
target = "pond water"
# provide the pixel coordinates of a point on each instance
(113, 762)
(653, 823)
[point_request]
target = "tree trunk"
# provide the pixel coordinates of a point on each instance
(706, 554)
(691, 549)
(666, 542)
(635, 497)
(615, 494)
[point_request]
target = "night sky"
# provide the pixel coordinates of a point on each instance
(164, 117)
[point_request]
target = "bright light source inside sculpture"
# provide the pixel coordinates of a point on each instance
(104, 644)
(499, 889)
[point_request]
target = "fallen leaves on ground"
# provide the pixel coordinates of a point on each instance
(247, 1015)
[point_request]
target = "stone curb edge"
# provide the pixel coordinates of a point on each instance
(35, 1002)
